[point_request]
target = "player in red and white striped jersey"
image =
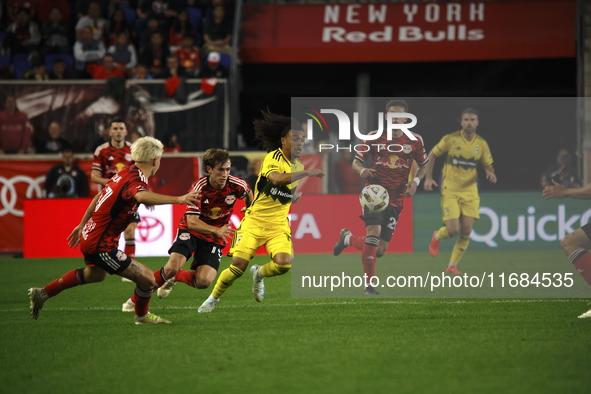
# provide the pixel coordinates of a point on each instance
(98, 233)
(110, 158)
(390, 170)
(203, 230)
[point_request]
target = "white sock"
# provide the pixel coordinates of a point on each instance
(347, 238)
(450, 264)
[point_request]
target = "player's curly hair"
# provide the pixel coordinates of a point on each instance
(269, 130)
(145, 149)
(397, 103)
(215, 156)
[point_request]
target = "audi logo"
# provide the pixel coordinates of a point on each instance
(9, 196)
(149, 229)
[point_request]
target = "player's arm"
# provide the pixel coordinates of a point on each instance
(558, 191)
(490, 173)
(149, 198)
(97, 177)
(74, 237)
(411, 187)
(363, 172)
(429, 181)
(198, 225)
(248, 199)
(279, 179)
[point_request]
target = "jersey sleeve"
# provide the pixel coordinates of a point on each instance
(486, 159)
(97, 163)
(194, 209)
(420, 155)
(269, 165)
(442, 146)
(133, 187)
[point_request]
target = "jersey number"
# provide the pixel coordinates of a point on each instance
(106, 194)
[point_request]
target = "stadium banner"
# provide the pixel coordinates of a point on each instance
(22, 180)
(408, 32)
(511, 221)
(84, 109)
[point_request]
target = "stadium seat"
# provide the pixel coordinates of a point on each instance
(49, 59)
(225, 60)
(195, 16)
(130, 15)
(20, 68)
(20, 57)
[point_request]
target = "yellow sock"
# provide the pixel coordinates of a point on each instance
(227, 277)
(442, 234)
(459, 249)
(274, 269)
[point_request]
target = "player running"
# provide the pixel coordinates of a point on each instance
(203, 230)
(265, 221)
(460, 202)
(109, 159)
(98, 233)
(390, 170)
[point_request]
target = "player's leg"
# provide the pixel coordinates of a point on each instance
(576, 245)
(80, 276)
(225, 280)
(204, 267)
(461, 244)
(145, 284)
(450, 209)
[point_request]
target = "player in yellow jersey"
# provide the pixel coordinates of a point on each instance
(460, 202)
(265, 221)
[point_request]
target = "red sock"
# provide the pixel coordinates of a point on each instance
(71, 279)
(141, 299)
(160, 278)
(357, 242)
(130, 249)
(582, 261)
(187, 277)
(368, 256)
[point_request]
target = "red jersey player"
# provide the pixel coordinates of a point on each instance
(109, 159)
(390, 170)
(98, 233)
(203, 230)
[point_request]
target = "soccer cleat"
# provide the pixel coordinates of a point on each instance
(340, 245)
(258, 285)
(434, 245)
(208, 305)
(452, 270)
(128, 306)
(151, 318)
(166, 288)
(37, 301)
(370, 290)
(125, 279)
(585, 315)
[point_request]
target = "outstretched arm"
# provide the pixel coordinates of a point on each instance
(279, 179)
(558, 191)
(149, 198)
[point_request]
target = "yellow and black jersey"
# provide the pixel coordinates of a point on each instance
(271, 203)
(459, 170)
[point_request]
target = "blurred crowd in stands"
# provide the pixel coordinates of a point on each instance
(138, 39)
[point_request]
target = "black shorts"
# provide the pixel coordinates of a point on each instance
(113, 261)
(388, 219)
(587, 229)
(203, 252)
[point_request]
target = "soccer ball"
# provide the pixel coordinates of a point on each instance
(374, 199)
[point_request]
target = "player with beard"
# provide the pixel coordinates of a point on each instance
(460, 201)
(265, 221)
(390, 170)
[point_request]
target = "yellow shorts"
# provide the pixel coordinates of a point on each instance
(454, 205)
(251, 235)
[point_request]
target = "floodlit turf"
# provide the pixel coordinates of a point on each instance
(83, 343)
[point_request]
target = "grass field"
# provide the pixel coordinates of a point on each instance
(83, 343)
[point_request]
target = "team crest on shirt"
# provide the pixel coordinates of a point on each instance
(121, 256)
(476, 150)
(128, 156)
(230, 198)
(184, 236)
(407, 148)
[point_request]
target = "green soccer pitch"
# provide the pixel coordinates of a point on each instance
(83, 343)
